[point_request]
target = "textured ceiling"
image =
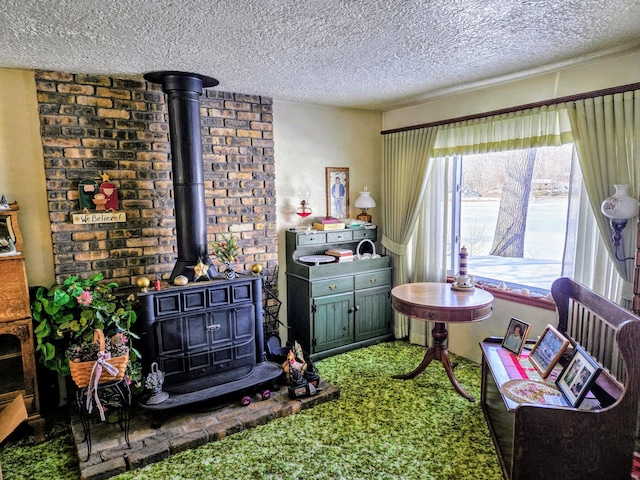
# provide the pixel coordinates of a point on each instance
(361, 54)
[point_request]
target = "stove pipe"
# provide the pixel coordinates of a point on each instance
(183, 92)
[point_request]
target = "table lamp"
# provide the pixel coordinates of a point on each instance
(364, 201)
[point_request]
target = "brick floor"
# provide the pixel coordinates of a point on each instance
(180, 430)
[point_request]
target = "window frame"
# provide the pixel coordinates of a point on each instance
(455, 235)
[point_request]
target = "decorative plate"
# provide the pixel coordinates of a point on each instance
(317, 259)
(531, 391)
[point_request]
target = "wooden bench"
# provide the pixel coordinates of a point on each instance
(535, 441)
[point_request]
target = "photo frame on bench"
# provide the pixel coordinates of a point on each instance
(547, 351)
(577, 377)
(516, 335)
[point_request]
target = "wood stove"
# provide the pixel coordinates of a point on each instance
(206, 337)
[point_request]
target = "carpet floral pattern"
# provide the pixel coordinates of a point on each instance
(379, 428)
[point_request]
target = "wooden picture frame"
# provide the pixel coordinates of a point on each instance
(10, 238)
(577, 377)
(337, 192)
(548, 349)
(513, 341)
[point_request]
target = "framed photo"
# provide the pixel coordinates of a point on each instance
(7, 235)
(548, 350)
(516, 335)
(6, 229)
(577, 377)
(337, 192)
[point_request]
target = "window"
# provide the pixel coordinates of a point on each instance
(510, 209)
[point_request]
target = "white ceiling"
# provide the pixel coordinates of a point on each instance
(362, 54)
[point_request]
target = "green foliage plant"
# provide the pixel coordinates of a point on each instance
(66, 315)
(226, 250)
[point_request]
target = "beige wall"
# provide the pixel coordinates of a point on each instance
(613, 72)
(309, 138)
(22, 177)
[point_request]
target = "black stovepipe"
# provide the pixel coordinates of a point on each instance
(183, 92)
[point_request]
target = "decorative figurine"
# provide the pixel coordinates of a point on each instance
(87, 189)
(201, 270)
(153, 383)
(463, 282)
(101, 202)
(110, 192)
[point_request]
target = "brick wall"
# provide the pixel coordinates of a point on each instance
(92, 125)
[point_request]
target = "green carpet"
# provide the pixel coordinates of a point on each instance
(380, 428)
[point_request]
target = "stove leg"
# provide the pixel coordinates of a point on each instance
(157, 419)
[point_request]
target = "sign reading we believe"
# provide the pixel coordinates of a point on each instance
(101, 217)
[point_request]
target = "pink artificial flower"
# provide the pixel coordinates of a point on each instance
(85, 298)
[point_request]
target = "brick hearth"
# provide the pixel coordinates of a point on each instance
(180, 431)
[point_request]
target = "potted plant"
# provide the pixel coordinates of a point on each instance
(227, 252)
(67, 315)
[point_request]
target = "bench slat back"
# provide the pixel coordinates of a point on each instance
(607, 331)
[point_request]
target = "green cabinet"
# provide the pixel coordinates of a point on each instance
(335, 307)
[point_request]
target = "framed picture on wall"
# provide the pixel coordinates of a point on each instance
(516, 335)
(337, 184)
(548, 350)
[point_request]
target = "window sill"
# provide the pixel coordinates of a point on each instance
(546, 302)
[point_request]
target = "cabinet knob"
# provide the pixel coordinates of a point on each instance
(333, 286)
(373, 279)
(354, 309)
(213, 328)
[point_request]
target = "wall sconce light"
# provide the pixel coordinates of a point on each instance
(365, 202)
(619, 208)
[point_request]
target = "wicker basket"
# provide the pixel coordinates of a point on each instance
(81, 371)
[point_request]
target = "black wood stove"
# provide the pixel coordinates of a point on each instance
(206, 337)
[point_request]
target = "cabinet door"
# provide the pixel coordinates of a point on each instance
(332, 325)
(373, 315)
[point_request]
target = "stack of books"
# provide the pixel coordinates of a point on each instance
(328, 223)
(341, 254)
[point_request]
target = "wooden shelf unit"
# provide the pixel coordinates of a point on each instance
(17, 351)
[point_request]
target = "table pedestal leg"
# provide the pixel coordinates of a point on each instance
(438, 352)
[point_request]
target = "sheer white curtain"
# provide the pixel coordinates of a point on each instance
(607, 135)
(428, 247)
(586, 258)
(405, 168)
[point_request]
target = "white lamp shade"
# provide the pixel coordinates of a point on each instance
(365, 200)
(620, 206)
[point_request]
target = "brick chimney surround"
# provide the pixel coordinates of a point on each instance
(92, 125)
